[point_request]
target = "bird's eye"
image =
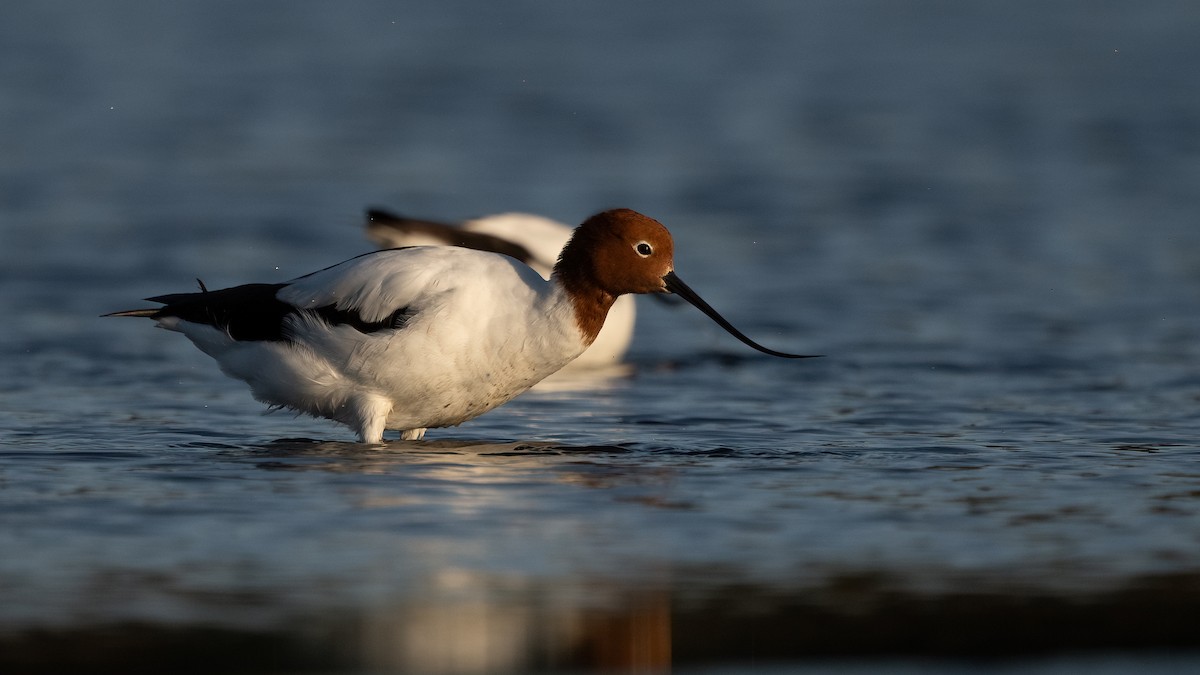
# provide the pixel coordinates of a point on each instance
(643, 249)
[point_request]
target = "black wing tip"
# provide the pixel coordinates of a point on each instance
(379, 217)
(249, 312)
(378, 213)
(381, 223)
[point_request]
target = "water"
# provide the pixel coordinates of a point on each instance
(985, 217)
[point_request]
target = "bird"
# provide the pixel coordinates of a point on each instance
(424, 337)
(535, 240)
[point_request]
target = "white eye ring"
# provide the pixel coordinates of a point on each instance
(643, 249)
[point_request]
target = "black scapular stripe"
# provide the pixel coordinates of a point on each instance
(253, 312)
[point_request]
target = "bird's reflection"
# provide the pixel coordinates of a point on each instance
(455, 615)
(469, 623)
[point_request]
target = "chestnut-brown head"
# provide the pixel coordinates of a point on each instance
(618, 251)
(622, 251)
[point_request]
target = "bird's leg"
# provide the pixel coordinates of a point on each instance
(412, 434)
(371, 415)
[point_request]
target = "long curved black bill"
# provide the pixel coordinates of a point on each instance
(676, 286)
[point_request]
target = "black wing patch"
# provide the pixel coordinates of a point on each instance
(252, 312)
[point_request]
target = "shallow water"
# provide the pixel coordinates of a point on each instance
(985, 217)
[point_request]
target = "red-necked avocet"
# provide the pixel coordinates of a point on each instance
(428, 336)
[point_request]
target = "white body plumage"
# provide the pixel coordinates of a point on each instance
(482, 329)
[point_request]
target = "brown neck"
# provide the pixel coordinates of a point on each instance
(576, 272)
(591, 304)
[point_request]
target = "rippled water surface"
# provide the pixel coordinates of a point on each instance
(986, 217)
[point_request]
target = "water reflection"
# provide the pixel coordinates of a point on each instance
(485, 556)
(469, 623)
(469, 476)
